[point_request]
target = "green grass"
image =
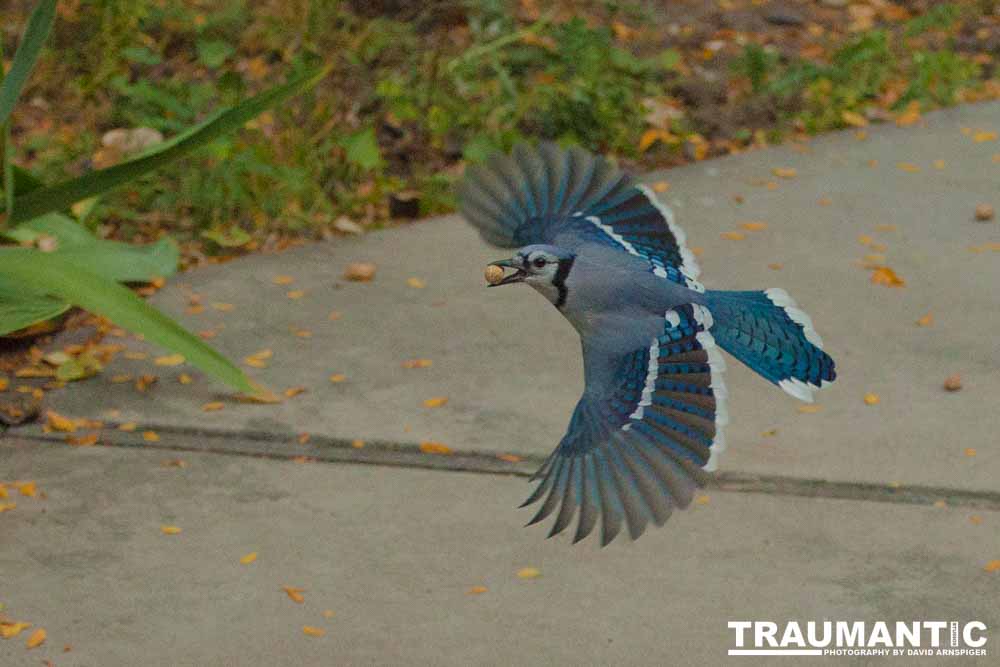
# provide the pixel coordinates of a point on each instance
(412, 97)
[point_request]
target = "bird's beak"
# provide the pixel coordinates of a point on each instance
(516, 277)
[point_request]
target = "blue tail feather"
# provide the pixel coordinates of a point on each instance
(769, 333)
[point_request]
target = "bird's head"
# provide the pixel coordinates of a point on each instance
(544, 267)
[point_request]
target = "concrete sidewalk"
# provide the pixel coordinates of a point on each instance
(392, 549)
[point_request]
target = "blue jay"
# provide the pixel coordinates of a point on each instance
(607, 253)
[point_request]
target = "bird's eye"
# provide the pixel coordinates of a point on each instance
(539, 262)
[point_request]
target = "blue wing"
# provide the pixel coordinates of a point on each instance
(647, 428)
(539, 195)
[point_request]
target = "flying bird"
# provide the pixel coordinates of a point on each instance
(606, 252)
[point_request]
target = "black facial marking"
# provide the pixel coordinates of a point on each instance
(559, 280)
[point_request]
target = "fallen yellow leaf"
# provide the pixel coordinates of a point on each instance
(431, 447)
(296, 294)
(702, 499)
(907, 167)
(337, 377)
(824, 201)
(992, 566)
(328, 613)
(416, 283)
(871, 399)
(313, 631)
(975, 519)
(334, 315)
(249, 558)
(170, 530)
(4, 383)
(529, 573)
(59, 423)
(128, 427)
(214, 406)
(754, 226)
(170, 360)
(6, 507)
(10, 630)
(27, 489)
(883, 275)
(910, 115)
(435, 402)
(283, 280)
(661, 186)
(939, 164)
(982, 137)
(476, 590)
(733, 236)
(358, 444)
(292, 392)
(184, 378)
(776, 266)
(150, 436)
(37, 638)
(784, 172)
(294, 593)
(652, 135)
(953, 382)
(970, 451)
(809, 409)
(224, 307)
(853, 119)
(417, 363)
(509, 458)
(926, 320)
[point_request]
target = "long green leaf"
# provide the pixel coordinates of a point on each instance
(27, 52)
(24, 266)
(62, 195)
(20, 308)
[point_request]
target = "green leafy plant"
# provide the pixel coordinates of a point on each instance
(60, 263)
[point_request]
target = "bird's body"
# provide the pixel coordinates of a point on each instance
(607, 254)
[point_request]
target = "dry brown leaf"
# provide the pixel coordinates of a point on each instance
(984, 212)
(431, 447)
(435, 402)
(170, 530)
(37, 638)
(360, 271)
(883, 275)
(953, 382)
(214, 406)
(294, 593)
